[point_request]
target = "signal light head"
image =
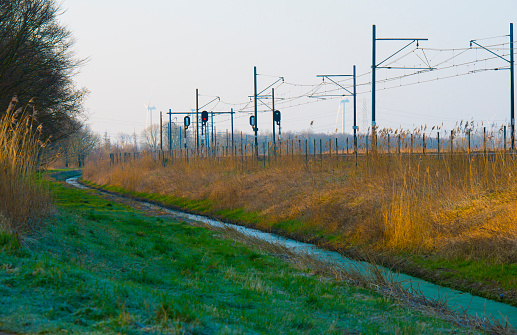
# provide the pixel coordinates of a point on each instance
(204, 117)
(276, 116)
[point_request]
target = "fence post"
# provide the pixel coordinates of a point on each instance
(321, 150)
(484, 142)
(306, 150)
(423, 144)
(411, 148)
(269, 151)
(438, 140)
(504, 140)
(468, 139)
(452, 145)
(264, 152)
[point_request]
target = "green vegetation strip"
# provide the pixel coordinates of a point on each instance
(102, 267)
(479, 277)
(63, 174)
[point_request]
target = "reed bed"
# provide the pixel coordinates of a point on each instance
(23, 202)
(455, 201)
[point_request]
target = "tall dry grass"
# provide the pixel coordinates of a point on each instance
(22, 201)
(457, 205)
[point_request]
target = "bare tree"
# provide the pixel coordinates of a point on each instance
(123, 139)
(175, 139)
(37, 64)
(150, 137)
(73, 149)
(135, 141)
(80, 144)
(106, 142)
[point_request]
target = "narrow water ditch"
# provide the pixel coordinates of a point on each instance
(457, 300)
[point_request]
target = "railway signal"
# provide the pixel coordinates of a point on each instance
(186, 122)
(252, 123)
(276, 117)
(204, 117)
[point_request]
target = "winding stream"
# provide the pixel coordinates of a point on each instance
(457, 300)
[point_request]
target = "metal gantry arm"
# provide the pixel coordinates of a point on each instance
(493, 53)
(328, 76)
(413, 40)
(396, 53)
(336, 83)
(208, 103)
(262, 102)
(279, 79)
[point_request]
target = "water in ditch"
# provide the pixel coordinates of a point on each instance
(457, 300)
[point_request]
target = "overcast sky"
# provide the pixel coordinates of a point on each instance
(160, 51)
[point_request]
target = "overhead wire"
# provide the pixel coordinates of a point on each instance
(287, 101)
(316, 87)
(416, 73)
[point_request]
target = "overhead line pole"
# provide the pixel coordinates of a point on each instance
(374, 33)
(512, 83)
(255, 126)
(512, 87)
(212, 131)
(161, 133)
(170, 129)
(197, 120)
(233, 143)
(377, 66)
(273, 99)
(355, 113)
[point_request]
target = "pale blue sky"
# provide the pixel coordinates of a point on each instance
(163, 50)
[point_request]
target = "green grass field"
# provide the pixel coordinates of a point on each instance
(481, 277)
(102, 267)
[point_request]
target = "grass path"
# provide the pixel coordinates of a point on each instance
(103, 267)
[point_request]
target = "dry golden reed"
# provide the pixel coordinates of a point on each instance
(458, 205)
(22, 201)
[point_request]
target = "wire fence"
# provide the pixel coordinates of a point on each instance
(463, 140)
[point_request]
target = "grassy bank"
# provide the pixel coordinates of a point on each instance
(102, 267)
(448, 218)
